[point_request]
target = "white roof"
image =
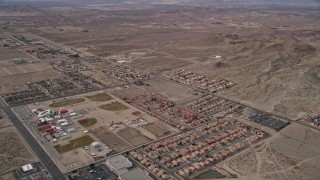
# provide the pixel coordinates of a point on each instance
(136, 174)
(62, 120)
(27, 168)
(95, 144)
(64, 124)
(118, 162)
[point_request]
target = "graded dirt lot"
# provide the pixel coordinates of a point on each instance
(155, 65)
(23, 69)
(75, 159)
(111, 140)
(169, 89)
(157, 130)
(133, 136)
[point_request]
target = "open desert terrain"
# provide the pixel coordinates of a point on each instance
(142, 74)
(271, 54)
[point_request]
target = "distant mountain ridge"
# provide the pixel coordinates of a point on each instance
(274, 3)
(279, 3)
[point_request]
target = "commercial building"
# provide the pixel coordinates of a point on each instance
(27, 168)
(136, 174)
(119, 164)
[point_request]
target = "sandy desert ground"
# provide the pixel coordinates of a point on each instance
(275, 63)
(272, 54)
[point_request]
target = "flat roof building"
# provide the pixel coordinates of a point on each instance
(136, 174)
(27, 168)
(119, 164)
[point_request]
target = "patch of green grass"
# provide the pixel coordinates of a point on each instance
(67, 102)
(114, 106)
(42, 123)
(88, 122)
(75, 144)
(100, 97)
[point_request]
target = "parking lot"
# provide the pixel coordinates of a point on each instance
(98, 171)
(265, 119)
(39, 171)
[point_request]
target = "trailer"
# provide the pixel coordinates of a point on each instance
(65, 124)
(62, 121)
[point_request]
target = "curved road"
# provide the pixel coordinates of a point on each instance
(42, 155)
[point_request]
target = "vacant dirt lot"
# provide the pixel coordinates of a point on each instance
(155, 65)
(111, 140)
(293, 154)
(173, 91)
(157, 130)
(133, 136)
(5, 122)
(23, 69)
(75, 159)
(13, 151)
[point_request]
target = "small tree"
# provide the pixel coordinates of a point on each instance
(70, 177)
(92, 166)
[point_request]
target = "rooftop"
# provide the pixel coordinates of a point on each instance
(118, 162)
(136, 174)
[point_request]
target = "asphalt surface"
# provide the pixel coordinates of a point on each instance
(94, 173)
(28, 119)
(42, 155)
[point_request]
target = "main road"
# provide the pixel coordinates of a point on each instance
(42, 155)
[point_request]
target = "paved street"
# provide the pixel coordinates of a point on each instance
(29, 120)
(42, 155)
